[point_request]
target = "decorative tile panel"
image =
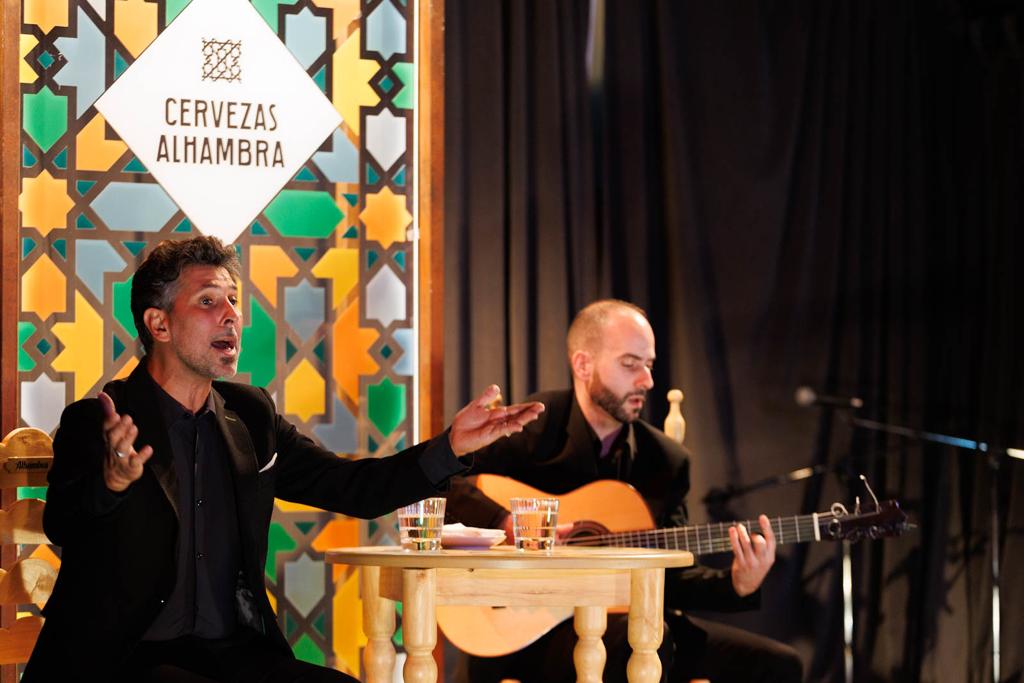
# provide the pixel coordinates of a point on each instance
(327, 277)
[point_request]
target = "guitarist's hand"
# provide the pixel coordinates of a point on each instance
(752, 556)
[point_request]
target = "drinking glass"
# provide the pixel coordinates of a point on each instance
(419, 524)
(533, 522)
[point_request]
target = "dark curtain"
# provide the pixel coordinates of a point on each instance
(820, 193)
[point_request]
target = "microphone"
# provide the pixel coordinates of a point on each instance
(806, 397)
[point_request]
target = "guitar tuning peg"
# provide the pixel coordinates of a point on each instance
(868, 487)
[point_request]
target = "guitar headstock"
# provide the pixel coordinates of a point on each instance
(885, 521)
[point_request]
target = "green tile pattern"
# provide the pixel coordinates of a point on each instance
(134, 247)
(406, 97)
(278, 541)
(25, 362)
(268, 10)
(172, 8)
(122, 295)
(320, 624)
(302, 213)
(135, 166)
(32, 492)
(45, 116)
(308, 651)
(120, 64)
(387, 406)
(259, 351)
(305, 174)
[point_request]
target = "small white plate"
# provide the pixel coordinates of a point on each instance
(469, 537)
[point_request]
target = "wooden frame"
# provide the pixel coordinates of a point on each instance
(430, 174)
(10, 187)
(431, 212)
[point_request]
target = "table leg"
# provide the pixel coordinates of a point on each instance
(646, 624)
(379, 626)
(589, 655)
(419, 624)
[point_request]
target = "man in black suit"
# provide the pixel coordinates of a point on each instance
(162, 490)
(594, 431)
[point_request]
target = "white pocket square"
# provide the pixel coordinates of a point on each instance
(269, 464)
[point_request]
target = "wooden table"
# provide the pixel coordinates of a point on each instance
(587, 579)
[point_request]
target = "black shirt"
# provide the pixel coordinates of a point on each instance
(209, 548)
(618, 461)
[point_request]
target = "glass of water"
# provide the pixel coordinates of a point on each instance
(420, 524)
(533, 522)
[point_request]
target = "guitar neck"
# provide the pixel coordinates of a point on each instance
(705, 539)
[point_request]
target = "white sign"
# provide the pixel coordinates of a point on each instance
(221, 114)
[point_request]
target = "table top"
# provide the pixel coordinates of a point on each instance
(507, 557)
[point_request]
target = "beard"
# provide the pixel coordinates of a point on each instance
(208, 367)
(613, 404)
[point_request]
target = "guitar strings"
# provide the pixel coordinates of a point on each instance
(707, 538)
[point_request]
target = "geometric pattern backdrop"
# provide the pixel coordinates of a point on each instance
(328, 267)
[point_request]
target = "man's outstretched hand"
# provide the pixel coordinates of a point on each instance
(480, 423)
(122, 464)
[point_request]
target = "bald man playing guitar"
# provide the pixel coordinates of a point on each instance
(593, 432)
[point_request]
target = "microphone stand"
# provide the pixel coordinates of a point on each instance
(993, 456)
(716, 498)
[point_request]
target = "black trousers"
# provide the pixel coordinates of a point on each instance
(245, 656)
(692, 648)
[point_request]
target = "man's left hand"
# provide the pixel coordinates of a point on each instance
(752, 556)
(480, 423)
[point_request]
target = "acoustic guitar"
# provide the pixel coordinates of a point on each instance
(612, 513)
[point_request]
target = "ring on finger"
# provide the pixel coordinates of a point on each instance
(119, 453)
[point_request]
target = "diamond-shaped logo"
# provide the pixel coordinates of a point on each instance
(221, 114)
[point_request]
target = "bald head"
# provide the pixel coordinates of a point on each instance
(611, 353)
(588, 327)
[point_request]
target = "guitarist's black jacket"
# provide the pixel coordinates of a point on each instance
(559, 453)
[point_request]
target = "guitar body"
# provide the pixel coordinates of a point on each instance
(495, 631)
(613, 513)
(616, 504)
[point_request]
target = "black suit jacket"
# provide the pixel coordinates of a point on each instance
(557, 454)
(118, 559)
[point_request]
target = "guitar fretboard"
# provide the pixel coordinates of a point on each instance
(704, 539)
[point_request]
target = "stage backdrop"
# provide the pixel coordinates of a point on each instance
(329, 289)
(821, 193)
